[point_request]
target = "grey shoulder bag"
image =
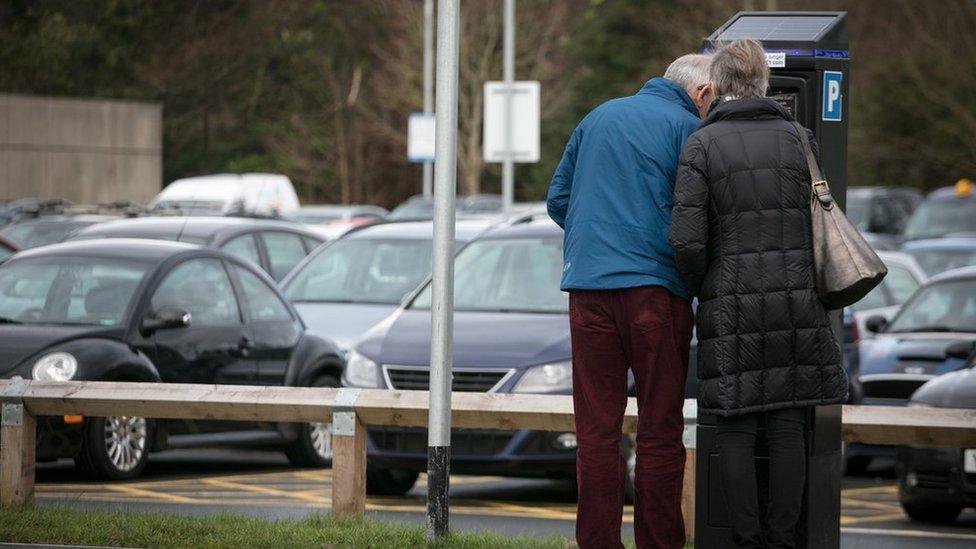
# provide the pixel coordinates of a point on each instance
(845, 267)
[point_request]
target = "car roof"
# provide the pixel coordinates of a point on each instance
(964, 273)
(61, 218)
(151, 251)
(878, 190)
(537, 226)
(464, 229)
(947, 243)
(190, 226)
(946, 193)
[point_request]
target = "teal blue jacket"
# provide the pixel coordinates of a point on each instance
(613, 190)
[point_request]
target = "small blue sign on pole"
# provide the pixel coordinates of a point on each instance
(832, 98)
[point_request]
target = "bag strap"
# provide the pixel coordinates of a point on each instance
(819, 186)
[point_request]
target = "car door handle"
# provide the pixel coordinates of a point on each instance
(244, 347)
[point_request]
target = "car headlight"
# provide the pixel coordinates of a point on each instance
(361, 371)
(546, 378)
(55, 367)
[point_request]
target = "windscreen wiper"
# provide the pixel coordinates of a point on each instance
(5, 320)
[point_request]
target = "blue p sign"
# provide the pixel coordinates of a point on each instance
(832, 98)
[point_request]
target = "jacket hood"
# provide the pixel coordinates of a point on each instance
(670, 91)
(754, 108)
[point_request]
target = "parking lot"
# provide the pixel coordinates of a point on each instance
(262, 483)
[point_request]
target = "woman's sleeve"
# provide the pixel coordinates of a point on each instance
(689, 217)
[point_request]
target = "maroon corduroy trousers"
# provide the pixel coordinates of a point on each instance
(646, 330)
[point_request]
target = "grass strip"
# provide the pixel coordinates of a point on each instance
(72, 526)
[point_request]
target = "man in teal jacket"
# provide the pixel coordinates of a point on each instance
(612, 194)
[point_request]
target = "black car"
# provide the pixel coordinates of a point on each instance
(275, 246)
(937, 482)
(142, 310)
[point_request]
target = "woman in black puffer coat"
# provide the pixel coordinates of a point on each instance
(742, 239)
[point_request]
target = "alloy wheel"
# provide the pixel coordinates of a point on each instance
(125, 441)
(321, 438)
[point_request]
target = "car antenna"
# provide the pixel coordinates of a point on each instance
(186, 218)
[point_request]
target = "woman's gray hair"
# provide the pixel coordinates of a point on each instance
(739, 70)
(689, 71)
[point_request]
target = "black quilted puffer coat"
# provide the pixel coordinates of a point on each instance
(741, 233)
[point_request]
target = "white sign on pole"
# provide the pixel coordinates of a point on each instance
(526, 113)
(420, 137)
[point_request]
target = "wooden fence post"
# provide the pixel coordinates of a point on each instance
(17, 439)
(690, 440)
(348, 457)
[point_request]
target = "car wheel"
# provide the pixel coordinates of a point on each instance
(937, 513)
(313, 447)
(629, 451)
(114, 447)
(389, 482)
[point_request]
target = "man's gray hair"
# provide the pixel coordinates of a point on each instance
(739, 70)
(690, 71)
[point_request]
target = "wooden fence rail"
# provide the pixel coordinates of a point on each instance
(351, 410)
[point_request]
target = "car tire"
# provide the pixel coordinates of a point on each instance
(857, 466)
(313, 447)
(114, 447)
(389, 482)
(933, 513)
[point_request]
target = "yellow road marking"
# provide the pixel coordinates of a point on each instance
(129, 489)
(887, 489)
(862, 504)
(262, 490)
(845, 520)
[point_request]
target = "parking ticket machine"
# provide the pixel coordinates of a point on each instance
(807, 53)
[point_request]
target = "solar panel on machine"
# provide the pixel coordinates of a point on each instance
(782, 28)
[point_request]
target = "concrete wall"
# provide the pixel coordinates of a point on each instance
(87, 151)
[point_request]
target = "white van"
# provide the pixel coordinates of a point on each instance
(252, 193)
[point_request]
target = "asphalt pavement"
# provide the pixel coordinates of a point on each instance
(261, 483)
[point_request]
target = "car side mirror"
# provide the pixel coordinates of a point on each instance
(166, 319)
(961, 349)
(876, 324)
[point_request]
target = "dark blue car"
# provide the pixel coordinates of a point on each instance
(911, 349)
(511, 335)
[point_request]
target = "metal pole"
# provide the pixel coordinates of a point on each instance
(428, 185)
(508, 165)
(442, 302)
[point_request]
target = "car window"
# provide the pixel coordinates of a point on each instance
(943, 307)
(508, 275)
(876, 298)
(260, 301)
(363, 270)
(5, 253)
(941, 217)
(202, 288)
(901, 284)
(934, 262)
(69, 290)
(243, 247)
(285, 250)
(310, 243)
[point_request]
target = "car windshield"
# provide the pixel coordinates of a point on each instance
(363, 270)
(937, 218)
(31, 234)
(934, 262)
(68, 290)
(898, 285)
(858, 209)
(422, 208)
(942, 307)
(508, 275)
